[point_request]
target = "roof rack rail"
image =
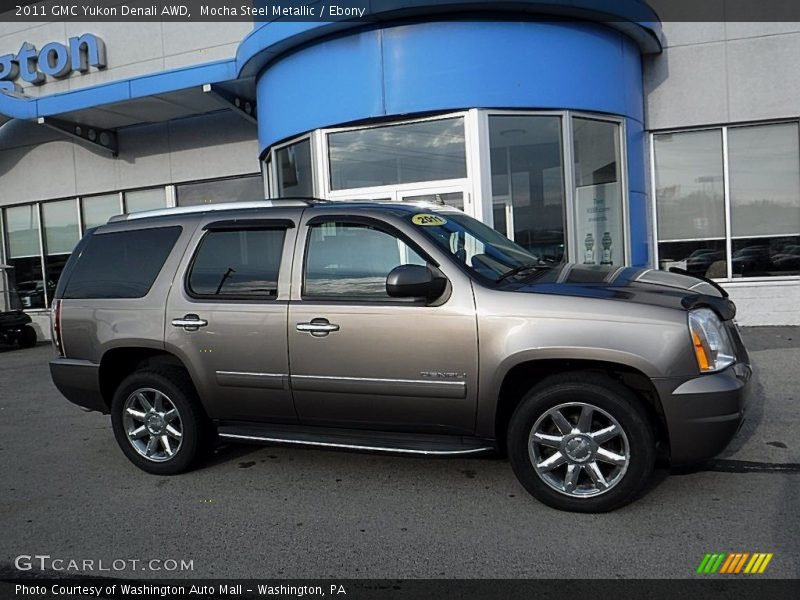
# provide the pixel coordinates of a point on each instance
(202, 208)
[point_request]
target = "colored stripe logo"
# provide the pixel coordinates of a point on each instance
(734, 563)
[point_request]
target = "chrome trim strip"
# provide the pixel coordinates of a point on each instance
(270, 381)
(375, 380)
(409, 388)
(252, 374)
(253, 438)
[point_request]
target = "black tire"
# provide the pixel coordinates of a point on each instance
(27, 337)
(612, 398)
(197, 432)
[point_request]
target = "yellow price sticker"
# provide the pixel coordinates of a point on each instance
(428, 220)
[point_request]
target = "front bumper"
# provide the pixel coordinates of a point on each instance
(79, 382)
(704, 413)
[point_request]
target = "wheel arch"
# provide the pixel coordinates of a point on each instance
(522, 376)
(117, 363)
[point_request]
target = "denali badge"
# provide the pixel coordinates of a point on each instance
(442, 375)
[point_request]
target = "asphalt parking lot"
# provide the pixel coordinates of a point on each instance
(67, 491)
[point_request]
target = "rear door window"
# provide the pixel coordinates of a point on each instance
(237, 264)
(121, 264)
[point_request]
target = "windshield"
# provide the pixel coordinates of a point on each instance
(480, 248)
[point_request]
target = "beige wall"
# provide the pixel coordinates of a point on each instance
(132, 48)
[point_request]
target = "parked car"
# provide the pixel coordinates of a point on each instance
(31, 293)
(398, 327)
(700, 261)
(753, 260)
(15, 325)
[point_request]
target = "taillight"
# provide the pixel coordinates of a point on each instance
(57, 327)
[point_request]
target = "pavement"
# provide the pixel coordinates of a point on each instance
(67, 491)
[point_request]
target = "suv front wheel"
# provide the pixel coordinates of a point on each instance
(581, 442)
(158, 422)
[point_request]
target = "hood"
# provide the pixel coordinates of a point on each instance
(628, 284)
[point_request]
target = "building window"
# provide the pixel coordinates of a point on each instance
(61, 233)
(398, 154)
(24, 255)
(542, 178)
(749, 229)
(97, 210)
(599, 210)
(765, 200)
(528, 198)
(295, 176)
(140, 200)
(237, 189)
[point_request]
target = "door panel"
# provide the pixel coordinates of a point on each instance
(374, 362)
(239, 290)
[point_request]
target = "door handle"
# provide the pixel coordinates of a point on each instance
(318, 327)
(190, 322)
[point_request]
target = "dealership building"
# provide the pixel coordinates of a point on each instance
(608, 139)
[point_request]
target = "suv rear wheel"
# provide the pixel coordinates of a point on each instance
(158, 422)
(581, 442)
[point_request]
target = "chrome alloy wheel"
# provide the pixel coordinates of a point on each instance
(579, 450)
(152, 424)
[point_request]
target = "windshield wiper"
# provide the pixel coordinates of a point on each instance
(522, 269)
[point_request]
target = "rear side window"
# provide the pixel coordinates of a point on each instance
(122, 264)
(239, 264)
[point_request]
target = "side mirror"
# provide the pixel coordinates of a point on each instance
(415, 281)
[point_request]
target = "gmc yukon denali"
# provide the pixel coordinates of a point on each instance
(408, 328)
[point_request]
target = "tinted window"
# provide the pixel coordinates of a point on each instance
(238, 264)
(122, 264)
(353, 261)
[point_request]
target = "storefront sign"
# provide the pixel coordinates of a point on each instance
(53, 60)
(599, 225)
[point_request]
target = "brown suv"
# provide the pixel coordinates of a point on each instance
(395, 327)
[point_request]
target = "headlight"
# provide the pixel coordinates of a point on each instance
(712, 345)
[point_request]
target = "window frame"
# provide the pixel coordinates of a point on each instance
(261, 225)
(728, 238)
(477, 185)
(360, 221)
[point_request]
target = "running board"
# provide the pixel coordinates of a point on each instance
(354, 439)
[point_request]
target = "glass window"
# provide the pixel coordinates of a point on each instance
(295, 175)
(238, 264)
(352, 261)
(766, 256)
(239, 189)
(598, 192)
(24, 255)
(690, 202)
(139, 200)
(60, 226)
(480, 248)
(528, 182)
(97, 210)
(689, 186)
(60, 220)
(764, 194)
(122, 264)
(22, 227)
(454, 199)
(764, 180)
(407, 153)
(705, 258)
